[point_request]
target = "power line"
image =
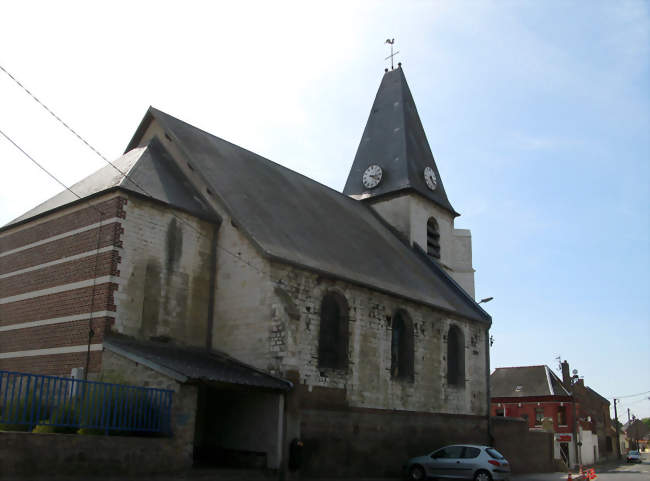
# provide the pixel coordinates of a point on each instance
(124, 174)
(99, 232)
(39, 165)
(636, 402)
(632, 395)
(52, 113)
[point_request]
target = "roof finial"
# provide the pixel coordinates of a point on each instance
(391, 41)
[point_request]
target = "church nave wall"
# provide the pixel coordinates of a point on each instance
(367, 381)
(164, 274)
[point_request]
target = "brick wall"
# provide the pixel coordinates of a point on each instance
(145, 271)
(58, 278)
(527, 408)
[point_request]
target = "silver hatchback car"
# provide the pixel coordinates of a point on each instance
(460, 461)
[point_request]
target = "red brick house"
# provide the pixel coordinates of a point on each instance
(535, 393)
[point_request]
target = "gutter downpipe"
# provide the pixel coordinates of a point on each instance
(212, 287)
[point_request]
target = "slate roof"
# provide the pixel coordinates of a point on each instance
(187, 364)
(294, 219)
(150, 171)
(395, 140)
(287, 216)
(525, 381)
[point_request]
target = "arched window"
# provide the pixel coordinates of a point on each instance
(433, 239)
(401, 352)
(333, 333)
(455, 357)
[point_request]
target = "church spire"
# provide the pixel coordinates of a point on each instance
(394, 153)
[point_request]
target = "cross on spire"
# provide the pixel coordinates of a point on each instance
(391, 41)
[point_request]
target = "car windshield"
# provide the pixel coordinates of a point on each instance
(634, 452)
(493, 453)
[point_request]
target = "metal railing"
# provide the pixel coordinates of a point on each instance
(30, 400)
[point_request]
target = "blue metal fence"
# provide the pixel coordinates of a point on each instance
(29, 400)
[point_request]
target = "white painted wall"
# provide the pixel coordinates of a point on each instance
(589, 442)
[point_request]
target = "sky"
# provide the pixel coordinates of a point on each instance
(537, 114)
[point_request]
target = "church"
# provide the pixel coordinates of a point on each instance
(302, 329)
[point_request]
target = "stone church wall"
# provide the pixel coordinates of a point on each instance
(242, 326)
(164, 274)
(367, 381)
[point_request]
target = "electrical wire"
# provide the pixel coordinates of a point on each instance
(52, 113)
(632, 395)
(39, 165)
(99, 230)
(124, 174)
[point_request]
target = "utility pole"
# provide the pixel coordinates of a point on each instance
(628, 415)
(618, 439)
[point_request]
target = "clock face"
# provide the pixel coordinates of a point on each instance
(372, 176)
(430, 178)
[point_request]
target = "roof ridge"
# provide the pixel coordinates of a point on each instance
(261, 157)
(520, 367)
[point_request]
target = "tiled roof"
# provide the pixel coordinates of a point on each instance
(525, 381)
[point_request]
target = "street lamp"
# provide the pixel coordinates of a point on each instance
(487, 299)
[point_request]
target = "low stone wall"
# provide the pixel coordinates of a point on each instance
(376, 443)
(527, 451)
(27, 454)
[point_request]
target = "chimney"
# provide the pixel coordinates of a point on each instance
(566, 376)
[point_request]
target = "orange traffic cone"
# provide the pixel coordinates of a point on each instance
(569, 478)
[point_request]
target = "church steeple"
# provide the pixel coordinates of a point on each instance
(394, 140)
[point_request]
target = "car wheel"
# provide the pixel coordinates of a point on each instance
(482, 475)
(416, 473)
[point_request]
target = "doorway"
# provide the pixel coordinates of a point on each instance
(238, 428)
(564, 452)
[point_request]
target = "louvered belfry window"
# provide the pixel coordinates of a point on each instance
(433, 239)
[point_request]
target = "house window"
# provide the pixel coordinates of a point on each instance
(539, 415)
(561, 416)
(433, 239)
(525, 417)
(455, 357)
(500, 412)
(333, 333)
(402, 347)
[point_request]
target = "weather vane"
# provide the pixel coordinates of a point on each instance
(391, 41)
